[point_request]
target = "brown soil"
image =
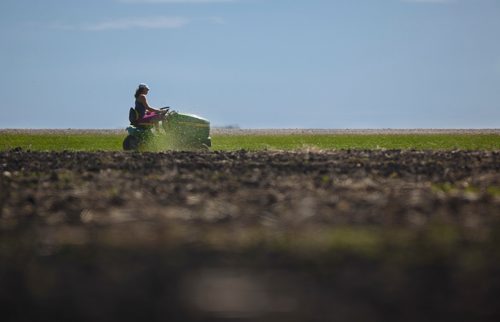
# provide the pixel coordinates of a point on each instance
(252, 236)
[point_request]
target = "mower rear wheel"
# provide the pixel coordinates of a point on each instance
(131, 143)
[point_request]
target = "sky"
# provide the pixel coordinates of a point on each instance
(329, 64)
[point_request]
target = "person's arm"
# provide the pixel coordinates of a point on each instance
(144, 102)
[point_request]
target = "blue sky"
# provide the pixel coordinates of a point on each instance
(252, 63)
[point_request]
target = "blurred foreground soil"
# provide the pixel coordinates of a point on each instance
(250, 236)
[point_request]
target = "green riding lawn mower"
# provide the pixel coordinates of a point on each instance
(179, 131)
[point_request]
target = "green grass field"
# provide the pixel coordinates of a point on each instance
(113, 142)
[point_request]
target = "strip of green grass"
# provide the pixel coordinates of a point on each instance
(59, 142)
(342, 141)
(113, 142)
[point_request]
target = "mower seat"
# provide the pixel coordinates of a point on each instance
(133, 117)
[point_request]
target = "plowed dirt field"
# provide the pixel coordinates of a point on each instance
(250, 236)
